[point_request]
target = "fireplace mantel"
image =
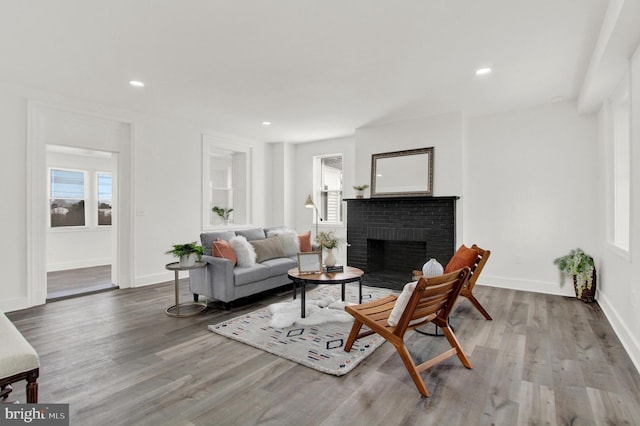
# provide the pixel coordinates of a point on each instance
(364, 200)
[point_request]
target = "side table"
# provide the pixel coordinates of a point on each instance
(190, 308)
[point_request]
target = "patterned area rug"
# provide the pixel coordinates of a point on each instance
(318, 346)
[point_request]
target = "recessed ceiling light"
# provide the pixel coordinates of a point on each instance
(136, 83)
(266, 123)
(483, 71)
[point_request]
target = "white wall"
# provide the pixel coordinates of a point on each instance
(530, 192)
(13, 125)
(619, 286)
(167, 187)
(303, 163)
(168, 191)
(71, 248)
(445, 133)
(282, 174)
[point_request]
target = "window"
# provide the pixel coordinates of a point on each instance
(66, 197)
(105, 196)
(328, 184)
(620, 114)
(226, 177)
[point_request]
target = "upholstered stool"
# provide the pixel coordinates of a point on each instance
(18, 361)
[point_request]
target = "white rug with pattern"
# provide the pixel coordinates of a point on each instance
(316, 341)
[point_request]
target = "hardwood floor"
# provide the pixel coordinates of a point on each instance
(72, 282)
(117, 359)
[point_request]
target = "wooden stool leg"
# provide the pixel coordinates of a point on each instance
(32, 386)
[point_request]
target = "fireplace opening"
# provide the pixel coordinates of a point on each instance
(393, 261)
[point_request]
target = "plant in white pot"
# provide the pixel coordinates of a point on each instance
(224, 214)
(187, 253)
(360, 190)
(580, 266)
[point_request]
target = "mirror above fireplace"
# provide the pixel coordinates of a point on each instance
(402, 173)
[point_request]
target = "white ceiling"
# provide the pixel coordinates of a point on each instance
(316, 68)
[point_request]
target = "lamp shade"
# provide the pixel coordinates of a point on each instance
(309, 203)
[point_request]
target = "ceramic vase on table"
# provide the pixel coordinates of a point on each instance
(330, 259)
(188, 260)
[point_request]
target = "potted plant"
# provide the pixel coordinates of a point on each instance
(360, 190)
(223, 213)
(187, 253)
(581, 268)
(329, 241)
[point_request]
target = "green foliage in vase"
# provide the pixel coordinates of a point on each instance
(180, 250)
(360, 187)
(222, 212)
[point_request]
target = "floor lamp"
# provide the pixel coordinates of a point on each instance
(311, 205)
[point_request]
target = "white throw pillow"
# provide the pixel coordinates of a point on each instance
(289, 238)
(244, 251)
(401, 303)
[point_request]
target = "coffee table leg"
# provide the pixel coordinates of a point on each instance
(360, 290)
(302, 297)
(343, 292)
(295, 290)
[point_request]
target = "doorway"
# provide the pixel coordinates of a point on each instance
(51, 125)
(80, 244)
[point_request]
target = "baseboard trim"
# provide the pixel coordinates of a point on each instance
(629, 342)
(526, 285)
(158, 278)
(14, 304)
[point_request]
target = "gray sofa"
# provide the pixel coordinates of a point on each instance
(222, 281)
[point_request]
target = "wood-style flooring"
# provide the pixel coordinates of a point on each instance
(73, 282)
(117, 359)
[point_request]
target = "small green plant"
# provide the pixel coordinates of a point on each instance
(222, 212)
(360, 187)
(180, 250)
(327, 240)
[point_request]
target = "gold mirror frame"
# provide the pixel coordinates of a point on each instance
(408, 173)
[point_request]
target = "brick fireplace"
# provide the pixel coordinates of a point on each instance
(390, 237)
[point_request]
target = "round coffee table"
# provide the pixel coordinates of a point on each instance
(349, 275)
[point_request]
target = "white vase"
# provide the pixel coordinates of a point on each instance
(330, 259)
(188, 260)
(432, 269)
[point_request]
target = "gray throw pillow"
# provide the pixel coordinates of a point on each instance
(269, 248)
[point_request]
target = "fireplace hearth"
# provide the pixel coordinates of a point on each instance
(390, 237)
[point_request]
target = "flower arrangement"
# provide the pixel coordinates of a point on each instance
(327, 240)
(580, 266)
